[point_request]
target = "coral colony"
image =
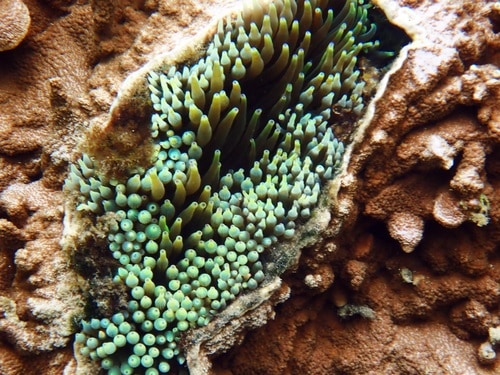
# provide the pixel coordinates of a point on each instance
(243, 143)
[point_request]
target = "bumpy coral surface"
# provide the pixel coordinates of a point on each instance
(15, 23)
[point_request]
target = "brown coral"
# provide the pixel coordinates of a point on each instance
(15, 23)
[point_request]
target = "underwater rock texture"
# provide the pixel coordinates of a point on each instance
(411, 257)
(15, 23)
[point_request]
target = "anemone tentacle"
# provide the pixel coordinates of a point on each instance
(243, 144)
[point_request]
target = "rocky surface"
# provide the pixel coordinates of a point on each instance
(15, 23)
(407, 276)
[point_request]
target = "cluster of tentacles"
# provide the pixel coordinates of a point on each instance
(243, 144)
